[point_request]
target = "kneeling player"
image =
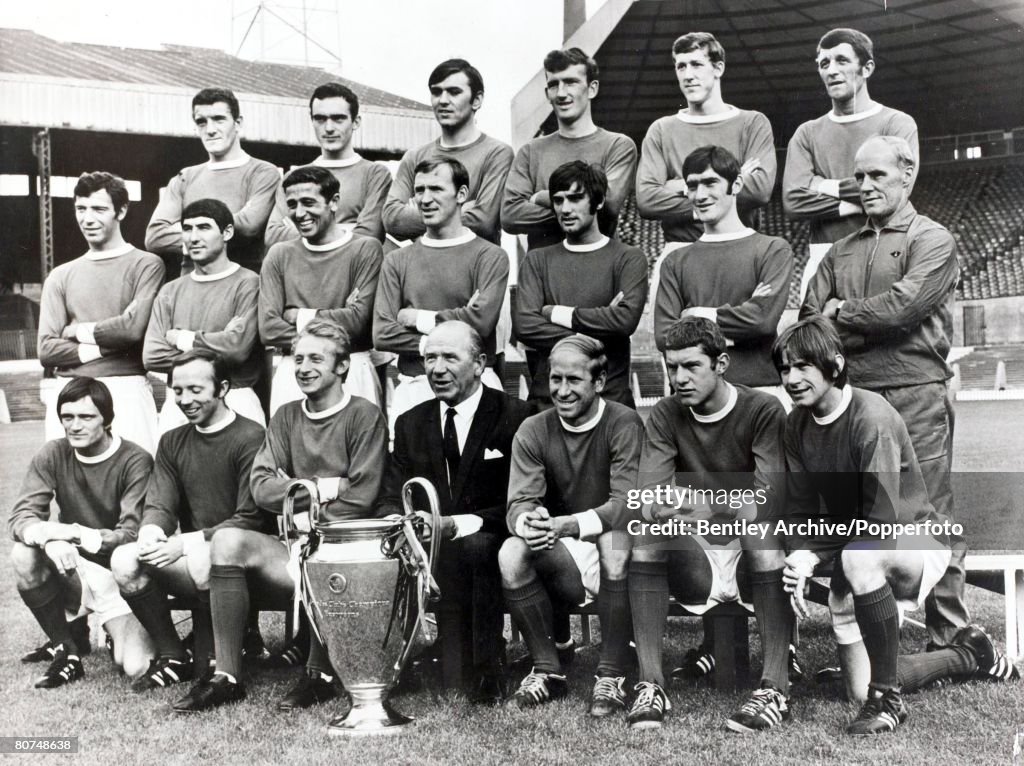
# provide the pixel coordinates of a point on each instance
(331, 437)
(849, 449)
(722, 438)
(572, 467)
(99, 481)
(201, 484)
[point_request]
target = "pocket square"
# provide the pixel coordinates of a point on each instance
(493, 454)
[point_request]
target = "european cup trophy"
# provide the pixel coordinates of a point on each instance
(365, 585)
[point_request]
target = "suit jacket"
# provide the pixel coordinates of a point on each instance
(481, 484)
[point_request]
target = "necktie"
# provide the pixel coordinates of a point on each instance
(451, 447)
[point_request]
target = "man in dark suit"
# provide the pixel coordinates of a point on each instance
(462, 442)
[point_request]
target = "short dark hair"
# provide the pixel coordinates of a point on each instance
(446, 69)
(83, 386)
(694, 331)
(560, 60)
(591, 348)
(332, 331)
(314, 174)
(814, 340)
(860, 42)
(590, 177)
(98, 180)
(211, 96)
(209, 208)
(460, 176)
(704, 41)
(218, 364)
(718, 158)
(336, 90)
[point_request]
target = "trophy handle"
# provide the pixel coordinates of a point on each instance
(425, 563)
(288, 527)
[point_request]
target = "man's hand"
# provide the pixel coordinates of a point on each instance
(541, 198)
(619, 298)
(63, 555)
(237, 324)
(749, 167)
(546, 312)
(352, 299)
(150, 535)
(290, 315)
(163, 553)
(831, 309)
(762, 290)
(469, 205)
(447, 531)
(70, 332)
(130, 310)
(539, 530)
(564, 526)
(677, 186)
(407, 318)
(800, 565)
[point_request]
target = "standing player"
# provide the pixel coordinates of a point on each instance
(448, 273)
(331, 437)
(334, 110)
(99, 482)
(661, 191)
(200, 484)
(94, 311)
(589, 283)
(212, 309)
(328, 273)
(894, 315)
(456, 94)
(818, 183)
(246, 185)
(572, 468)
(725, 442)
(732, 275)
(572, 81)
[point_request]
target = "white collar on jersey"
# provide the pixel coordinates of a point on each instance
(856, 115)
(231, 269)
(844, 405)
(326, 163)
(714, 417)
(102, 255)
(220, 425)
(729, 237)
(590, 425)
(703, 119)
(343, 239)
(467, 235)
(115, 445)
(586, 248)
(228, 164)
(345, 399)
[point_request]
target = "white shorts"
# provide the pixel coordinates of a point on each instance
(815, 257)
(242, 400)
(135, 417)
(361, 381)
(656, 277)
(844, 618)
(588, 561)
(100, 594)
(415, 389)
(724, 588)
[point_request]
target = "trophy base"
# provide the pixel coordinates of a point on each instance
(369, 718)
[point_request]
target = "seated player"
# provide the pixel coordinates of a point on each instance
(572, 467)
(99, 482)
(588, 283)
(328, 273)
(332, 437)
(848, 450)
(211, 309)
(723, 441)
(200, 484)
(461, 441)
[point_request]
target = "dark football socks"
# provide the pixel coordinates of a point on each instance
(202, 627)
(775, 620)
(46, 602)
(229, 605)
(879, 623)
(530, 607)
(319, 661)
(648, 600)
(616, 627)
(150, 605)
(916, 671)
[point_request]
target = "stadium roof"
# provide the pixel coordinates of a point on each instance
(954, 65)
(149, 91)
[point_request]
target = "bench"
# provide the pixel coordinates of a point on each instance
(1002, 573)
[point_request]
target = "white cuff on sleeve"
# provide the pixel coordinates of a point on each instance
(705, 312)
(466, 524)
(562, 316)
(305, 316)
(521, 525)
(85, 333)
(88, 352)
(186, 340)
(328, 488)
(423, 344)
(829, 186)
(849, 208)
(190, 541)
(89, 540)
(590, 523)
(425, 321)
